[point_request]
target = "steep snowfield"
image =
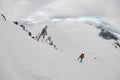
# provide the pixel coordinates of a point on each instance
(23, 58)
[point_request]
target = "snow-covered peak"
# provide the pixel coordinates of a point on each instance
(24, 58)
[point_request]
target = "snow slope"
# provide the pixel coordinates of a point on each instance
(23, 58)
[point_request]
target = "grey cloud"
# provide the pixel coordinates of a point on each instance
(77, 8)
(18, 9)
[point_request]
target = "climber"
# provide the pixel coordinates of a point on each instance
(50, 40)
(43, 33)
(81, 57)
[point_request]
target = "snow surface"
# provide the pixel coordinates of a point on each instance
(23, 58)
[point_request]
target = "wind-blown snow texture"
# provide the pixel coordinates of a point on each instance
(23, 58)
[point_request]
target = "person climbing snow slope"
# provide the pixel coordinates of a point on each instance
(43, 33)
(81, 57)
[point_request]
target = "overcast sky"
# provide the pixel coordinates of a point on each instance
(19, 9)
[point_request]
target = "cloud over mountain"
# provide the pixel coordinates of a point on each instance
(19, 9)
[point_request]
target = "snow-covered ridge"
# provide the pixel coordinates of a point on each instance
(104, 23)
(23, 58)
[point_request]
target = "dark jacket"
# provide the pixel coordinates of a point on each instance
(82, 56)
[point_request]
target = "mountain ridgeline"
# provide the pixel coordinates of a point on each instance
(26, 54)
